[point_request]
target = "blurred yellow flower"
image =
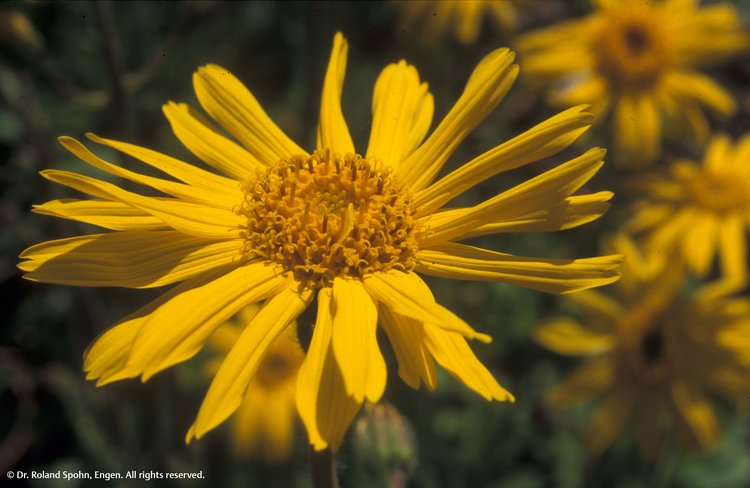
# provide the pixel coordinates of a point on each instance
(637, 60)
(701, 211)
(340, 233)
(263, 426)
(655, 355)
(464, 17)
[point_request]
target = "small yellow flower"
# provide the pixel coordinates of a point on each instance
(263, 426)
(331, 230)
(701, 211)
(464, 17)
(655, 356)
(637, 60)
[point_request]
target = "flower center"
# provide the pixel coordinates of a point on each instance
(719, 192)
(278, 367)
(629, 49)
(650, 349)
(325, 215)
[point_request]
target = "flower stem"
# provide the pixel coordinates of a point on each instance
(323, 469)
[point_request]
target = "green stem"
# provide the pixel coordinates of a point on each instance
(323, 469)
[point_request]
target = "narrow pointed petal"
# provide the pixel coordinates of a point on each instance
(458, 261)
(548, 138)
(134, 259)
(177, 330)
(354, 341)
(333, 132)
(548, 189)
(592, 378)
(227, 390)
(322, 401)
(190, 218)
(489, 82)
(569, 338)
(212, 147)
(697, 414)
(109, 215)
(227, 101)
(406, 294)
(401, 114)
(453, 353)
(415, 362)
(610, 420)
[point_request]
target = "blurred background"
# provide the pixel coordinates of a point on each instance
(67, 68)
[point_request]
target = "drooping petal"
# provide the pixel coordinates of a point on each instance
(695, 410)
(401, 114)
(613, 414)
(733, 248)
(322, 402)
(407, 338)
(190, 218)
(548, 138)
(458, 261)
(110, 215)
(230, 103)
(132, 259)
(333, 132)
(203, 140)
(569, 338)
(178, 329)
(228, 387)
(406, 294)
(453, 353)
(489, 82)
(547, 189)
(354, 341)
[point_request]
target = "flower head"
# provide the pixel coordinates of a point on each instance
(464, 17)
(655, 355)
(702, 211)
(336, 234)
(637, 61)
(263, 426)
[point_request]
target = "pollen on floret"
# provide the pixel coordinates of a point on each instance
(327, 215)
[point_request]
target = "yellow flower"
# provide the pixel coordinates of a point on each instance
(701, 211)
(263, 426)
(655, 356)
(340, 233)
(637, 60)
(464, 17)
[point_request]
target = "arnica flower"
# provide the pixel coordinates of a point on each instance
(435, 18)
(701, 211)
(331, 231)
(637, 60)
(263, 426)
(656, 355)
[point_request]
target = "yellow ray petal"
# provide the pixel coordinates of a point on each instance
(401, 114)
(569, 338)
(212, 147)
(718, 153)
(614, 412)
(699, 243)
(110, 215)
(228, 387)
(105, 360)
(458, 261)
(590, 379)
(178, 329)
(333, 132)
(453, 353)
(190, 218)
(489, 82)
(227, 100)
(133, 259)
(601, 311)
(226, 195)
(354, 341)
(548, 138)
(700, 88)
(733, 249)
(543, 191)
(695, 410)
(322, 402)
(407, 295)
(571, 212)
(407, 337)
